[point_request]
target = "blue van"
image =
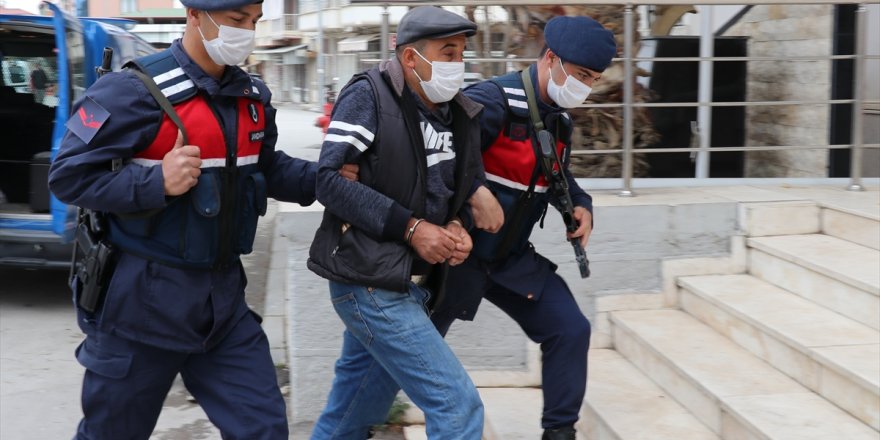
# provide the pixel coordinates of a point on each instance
(61, 53)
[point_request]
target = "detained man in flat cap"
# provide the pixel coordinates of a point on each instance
(181, 205)
(387, 241)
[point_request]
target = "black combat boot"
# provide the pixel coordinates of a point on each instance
(564, 433)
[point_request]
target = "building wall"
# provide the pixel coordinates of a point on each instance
(113, 8)
(777, 31)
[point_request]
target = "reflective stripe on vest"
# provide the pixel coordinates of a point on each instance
(204, 131)
(214, 222)
(511, 162)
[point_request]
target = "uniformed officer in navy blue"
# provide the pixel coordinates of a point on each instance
(504, 267)
(180, 216)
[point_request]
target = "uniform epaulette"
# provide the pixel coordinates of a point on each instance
(511, 86)
(167, 74)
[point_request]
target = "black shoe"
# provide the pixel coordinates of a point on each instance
(565, 433)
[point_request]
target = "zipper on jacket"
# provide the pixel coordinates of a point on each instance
(228, 185)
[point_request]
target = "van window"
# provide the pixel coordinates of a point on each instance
(16, 74)
(32, 75)
(76, 56)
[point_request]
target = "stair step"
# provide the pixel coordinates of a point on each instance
(623, 404)
(855, 227)
(418, 432)
(811, 344)
(839, 259)
(761, 219)
(724, 385)
(415, 432)
(791, 262)
(790, 417)
(512, 413)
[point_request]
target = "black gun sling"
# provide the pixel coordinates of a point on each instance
(164, 103)
(525, 200)
(546, 163)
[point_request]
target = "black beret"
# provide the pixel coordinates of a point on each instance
(431, 23)
(217, 5)
(581, 41)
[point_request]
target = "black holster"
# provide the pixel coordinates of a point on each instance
(91, 273)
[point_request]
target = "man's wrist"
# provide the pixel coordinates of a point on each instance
(413, 224)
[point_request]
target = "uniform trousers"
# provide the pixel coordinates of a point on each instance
(126, 383)
(556, 323)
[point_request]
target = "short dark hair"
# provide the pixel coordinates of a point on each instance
(418, 45)
(543, 51)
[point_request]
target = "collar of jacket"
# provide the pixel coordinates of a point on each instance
(234, 81)
(395, 72)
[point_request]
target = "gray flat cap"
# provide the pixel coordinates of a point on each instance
(217, 5)
(431, 23)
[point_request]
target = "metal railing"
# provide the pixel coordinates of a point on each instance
(704, 104)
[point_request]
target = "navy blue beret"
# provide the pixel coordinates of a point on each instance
(430, 23)
(581, 41)
(217, 5)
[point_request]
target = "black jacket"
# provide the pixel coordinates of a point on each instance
(350, 255)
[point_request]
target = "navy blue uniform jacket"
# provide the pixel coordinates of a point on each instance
(524, 273)
(171, 308)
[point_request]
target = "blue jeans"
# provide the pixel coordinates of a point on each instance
(389, 341)
(554, 320)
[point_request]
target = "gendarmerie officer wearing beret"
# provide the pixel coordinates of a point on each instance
(504, 267)
(180, 216)
(386, 241)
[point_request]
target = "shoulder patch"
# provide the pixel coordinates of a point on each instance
(86, 121)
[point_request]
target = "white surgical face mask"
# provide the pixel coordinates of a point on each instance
(446, 80)
(232, 45)
(571, 93)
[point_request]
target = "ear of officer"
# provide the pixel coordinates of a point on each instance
(431, 44)
(578, 50)
(220, 33)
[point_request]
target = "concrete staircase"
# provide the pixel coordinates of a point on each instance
(781, 340)
(788, 350)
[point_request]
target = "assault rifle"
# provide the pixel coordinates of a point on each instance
(552, 168)
(92, 259)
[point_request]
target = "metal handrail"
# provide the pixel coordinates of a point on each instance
(463, 3)
(725, 103)
(723, 149)
(671, 59)
(704, 102)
